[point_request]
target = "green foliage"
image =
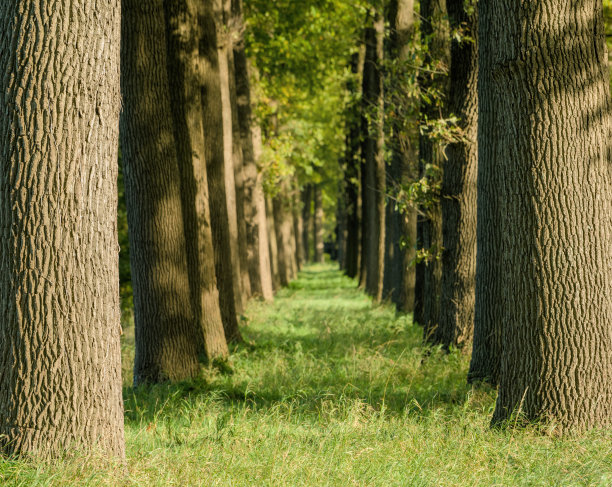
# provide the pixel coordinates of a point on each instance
(330, 391)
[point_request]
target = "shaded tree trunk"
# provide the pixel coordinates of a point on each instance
(456, 319)
(166, 335)
(218, 154)
(283, 220)
(486, 350)
(254, 203)
(298, 227)
(186, 102)
(434, 34)
(373, 157)
(274, 265)
(318, 223)
(399, 272)
(307, 220)
(551, 82)
(341, 222)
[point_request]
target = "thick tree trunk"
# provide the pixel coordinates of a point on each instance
(218, 155)
(166, 335)
(352, 172)
(398, 282)
(318, 223)
(274, 270)
(307, 220)
(60, 360)
(283, 223)
(254, 204)
(429, 232)
(456, 320)
(373, 155)
(486, 349)
(186, 102)
(551, 83)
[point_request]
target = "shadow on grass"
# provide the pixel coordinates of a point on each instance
(321, 345)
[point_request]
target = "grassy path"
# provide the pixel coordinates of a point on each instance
(330, 391)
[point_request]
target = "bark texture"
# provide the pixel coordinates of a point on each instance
(186, 100)
(398, 281)
(60, 362)
(318, 223)
(373, 159)
(487, 347)
(276, 282)
(434, 34)
(285, 241)
(551, 79)
(166, 337)
(218, 156)
(456, 320)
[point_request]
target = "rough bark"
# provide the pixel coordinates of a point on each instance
(60, 362)
(551, 81)
(186, 101)
(283, 225)
(399, 273)
(166, 337)
(271, 223)
(486, 349)
(254, 203)
(218, 156)
(373, 158)
(352, 169)
(456, 319)
(434, 34)
(307, 220)
(318, 223)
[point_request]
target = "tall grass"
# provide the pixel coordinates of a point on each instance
(329, 390)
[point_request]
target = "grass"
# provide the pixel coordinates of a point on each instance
(329, 391)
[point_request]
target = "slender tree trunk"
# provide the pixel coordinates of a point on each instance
(186, 102)
(551, 81)
(318, 223)
(341, 222)
(456, 321)
(60, 360)
(373, 155)
(283, 219)
(487, 347)
(352, 169)
(166, 334)
(298, 227)
(307, 220)
(429, 232)
(399, 273)
(218, 151)
(254, 203)
(274, 259)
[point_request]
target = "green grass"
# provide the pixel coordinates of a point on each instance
(330, 391)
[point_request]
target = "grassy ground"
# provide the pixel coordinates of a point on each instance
(330, 391)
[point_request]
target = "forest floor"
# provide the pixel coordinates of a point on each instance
(328, 391)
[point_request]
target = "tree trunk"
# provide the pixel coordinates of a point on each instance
(218, 155)
(341, 221)
(273, 244)
(486, 349)
(186, 103)
(456, 321)
(60, 359)
(283, 220)
(398, 282)
(298, 227)
(254, 204)
(307, 224)
(551, 82)
(373, 155)
(429, 232)
(352, 172)
(166, 335)
(318, 224)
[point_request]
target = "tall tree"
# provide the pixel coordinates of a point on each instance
(253, 200)
(456, 319)
(60, 362)
(486, 349)
(217, 124)
(399, 273)
(307, 222)
(183, 33)
(318, 223)
(551, 82)
(352, 166)
(373, 166)
(433, 84)
(271, 223)
(166, 336)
